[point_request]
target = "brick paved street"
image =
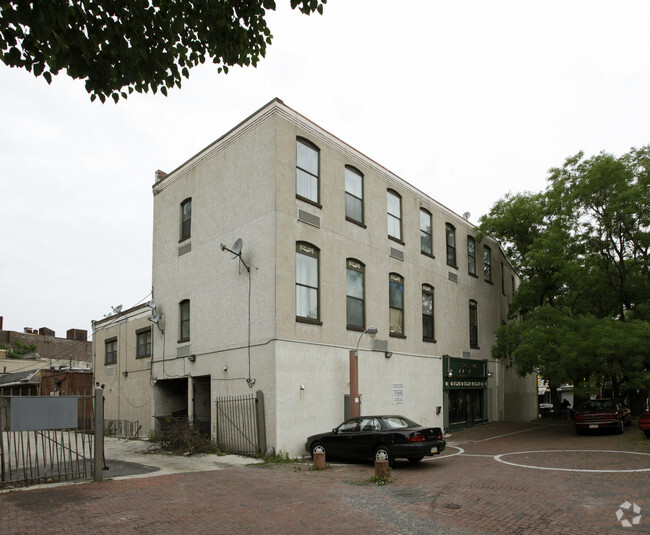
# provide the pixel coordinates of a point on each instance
(467, 491)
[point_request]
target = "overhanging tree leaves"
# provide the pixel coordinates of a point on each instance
(582, 311)
(134, 45)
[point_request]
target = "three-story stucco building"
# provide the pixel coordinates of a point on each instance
(331, 244)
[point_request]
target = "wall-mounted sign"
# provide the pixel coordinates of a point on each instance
(398, 393)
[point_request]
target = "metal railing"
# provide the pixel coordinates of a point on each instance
(31, 455)
(240, 425)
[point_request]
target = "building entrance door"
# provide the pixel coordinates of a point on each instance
(465, 408)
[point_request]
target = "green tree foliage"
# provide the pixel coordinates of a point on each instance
(134, 45)
(19, 349)
(581, 313)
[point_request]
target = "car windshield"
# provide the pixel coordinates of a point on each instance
(399, 422)
(598, 405)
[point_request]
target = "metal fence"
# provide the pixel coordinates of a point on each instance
(52, 443)
(240, 426)
(122, 428)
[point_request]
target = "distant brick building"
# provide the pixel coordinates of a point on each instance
(75, 349)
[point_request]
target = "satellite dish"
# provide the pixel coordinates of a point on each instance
(467, 215)
(235, 250)
(155, 318)
(117, 309)
(152, 304)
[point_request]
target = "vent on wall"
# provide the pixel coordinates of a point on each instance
(396, 253)
(184, 249)
(379, 345)
(466, 354)
(308, 218)
(453, 277)
(183, 351)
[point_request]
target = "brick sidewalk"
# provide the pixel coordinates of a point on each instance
(467, 493)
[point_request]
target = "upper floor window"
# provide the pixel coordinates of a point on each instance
(143, 337)
(473, 324)
(110, 347)
(396, 304)
(394, 202)
(471, 255)
(487, 263)
(355, 294)
(186, 219)
(451, 244)
(353, 195)
(428, 332)
(307, 170)
(426, 241)
(307, 278)
(184, 321)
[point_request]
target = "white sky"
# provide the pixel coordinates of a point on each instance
(466, 100)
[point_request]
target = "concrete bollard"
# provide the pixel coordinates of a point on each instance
(381, 469)
(319, 460)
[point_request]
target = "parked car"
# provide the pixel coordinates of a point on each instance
(379, 438)
(644, 423)
(597, 414)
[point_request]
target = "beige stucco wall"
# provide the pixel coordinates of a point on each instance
(243, 186)
(126, 397)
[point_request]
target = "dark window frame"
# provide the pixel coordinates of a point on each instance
(450, 232)
(184, 322)
(355, 265)
(424, 233)
(113, 351)
(473, 324)
(355, 171)
(148, 345)
(309, 250)
(471, 257)
(186, 220)
(316, 149)
(487, 264)
(389, 215)
(396, 279)
(429, 318)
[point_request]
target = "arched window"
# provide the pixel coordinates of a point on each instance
(307, 282)
(471, 256)
(451, 244)
(184, 321)
(396, 304)
(186, 219)
(394, 202)
(426, 240)
(487, 263)
(353, 194)
(307, 170)
(428, 328)
(473, 324)
(355, 294)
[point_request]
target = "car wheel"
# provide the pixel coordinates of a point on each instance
(647, 433)
(317, 447)
(415, 459)
(629, 420)
(621, 427)
(382, 453)
(580, 431)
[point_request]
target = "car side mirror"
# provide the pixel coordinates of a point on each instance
(335, 430)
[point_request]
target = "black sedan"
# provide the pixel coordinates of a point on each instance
(379, 438)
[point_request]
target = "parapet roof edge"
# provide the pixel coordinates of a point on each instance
(277, 104)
